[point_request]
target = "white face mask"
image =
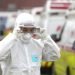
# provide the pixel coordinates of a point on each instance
(25, 37)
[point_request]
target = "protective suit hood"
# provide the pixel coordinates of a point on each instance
(24, 20)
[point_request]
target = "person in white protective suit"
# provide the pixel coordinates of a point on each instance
(22, 52)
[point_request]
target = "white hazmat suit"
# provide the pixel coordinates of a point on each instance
(22, 54)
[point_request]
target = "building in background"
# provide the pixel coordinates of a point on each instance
(20, 4)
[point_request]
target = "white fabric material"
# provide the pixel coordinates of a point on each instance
(25, 59)
(25, 18)
(24, 37)
(5, 45)
(49, 44)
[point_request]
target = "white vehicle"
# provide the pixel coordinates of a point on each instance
(68, 36)
(57, 5)
(36, 12)
(55, 24)
(55, 17)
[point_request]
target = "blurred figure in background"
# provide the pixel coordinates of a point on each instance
(9, 24)
(3, 21)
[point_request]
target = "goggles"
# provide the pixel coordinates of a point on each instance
(29, 30)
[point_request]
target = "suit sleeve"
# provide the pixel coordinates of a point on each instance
(51, 51)
(5, 45)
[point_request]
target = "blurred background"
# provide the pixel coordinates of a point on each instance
(58, 16)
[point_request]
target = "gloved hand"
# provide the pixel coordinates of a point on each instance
(16, 31)
(41, 35)
(45, 37)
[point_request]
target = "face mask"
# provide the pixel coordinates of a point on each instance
(25, 37)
